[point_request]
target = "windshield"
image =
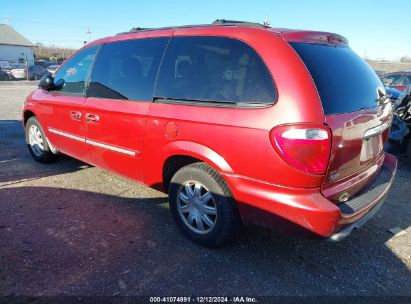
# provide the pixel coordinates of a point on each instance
(345, 82)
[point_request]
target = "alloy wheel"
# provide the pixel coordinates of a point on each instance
(36, 141)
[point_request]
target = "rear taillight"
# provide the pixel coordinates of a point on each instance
(305, 147)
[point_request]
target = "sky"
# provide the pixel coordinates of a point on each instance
(375, 29)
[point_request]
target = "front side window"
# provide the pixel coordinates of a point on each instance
(76, 71)
(127, 69)
(214, 69)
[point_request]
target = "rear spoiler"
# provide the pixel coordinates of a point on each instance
(314, 37)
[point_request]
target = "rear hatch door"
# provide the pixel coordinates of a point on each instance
(357, 111)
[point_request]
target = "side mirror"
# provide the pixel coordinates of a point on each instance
(46, 82)
(58, 85)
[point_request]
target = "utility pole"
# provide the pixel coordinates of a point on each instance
(7, 20)
(88, 33)
(266, 21)
(27, 66)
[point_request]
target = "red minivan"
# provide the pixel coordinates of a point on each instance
(237, 122)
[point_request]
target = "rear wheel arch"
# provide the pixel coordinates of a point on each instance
(179, 154)
(173, 164)
(220, 220)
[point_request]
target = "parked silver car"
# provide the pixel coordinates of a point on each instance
(18, 71)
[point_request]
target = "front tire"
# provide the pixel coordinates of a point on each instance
(203, 206)
(37, 142)
(409, 151)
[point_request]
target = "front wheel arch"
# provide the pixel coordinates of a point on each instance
(45, 153)
(26, 116)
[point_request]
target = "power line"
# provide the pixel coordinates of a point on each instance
(59, 24)
(52, 40)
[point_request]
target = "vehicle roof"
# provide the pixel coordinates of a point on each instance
(290, 35)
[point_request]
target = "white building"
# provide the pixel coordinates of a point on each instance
(14, 47)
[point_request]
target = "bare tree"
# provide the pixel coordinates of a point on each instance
(405, 58)
(52, 52)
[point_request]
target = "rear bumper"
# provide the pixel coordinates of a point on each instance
(346, 231)
(307, 207)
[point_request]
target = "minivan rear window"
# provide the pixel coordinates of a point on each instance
(345, 82)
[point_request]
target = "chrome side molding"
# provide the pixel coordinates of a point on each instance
(94, 143)
(68, 135)
(112, 148)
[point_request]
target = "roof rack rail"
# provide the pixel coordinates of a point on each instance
(237, 22)
(222, 22)
(137, 29)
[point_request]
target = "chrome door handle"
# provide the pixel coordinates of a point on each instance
(75, 115)
(92, 118)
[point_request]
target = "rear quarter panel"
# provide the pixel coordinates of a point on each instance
(239, 137)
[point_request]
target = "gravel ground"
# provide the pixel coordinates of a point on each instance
(71, 229)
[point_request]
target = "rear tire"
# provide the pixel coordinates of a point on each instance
(202, 205)
(409, 151)
(37, 142)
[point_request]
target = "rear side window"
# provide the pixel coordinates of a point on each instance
(76, 71)
(214, 69)
(345, 82)
(127, 69)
